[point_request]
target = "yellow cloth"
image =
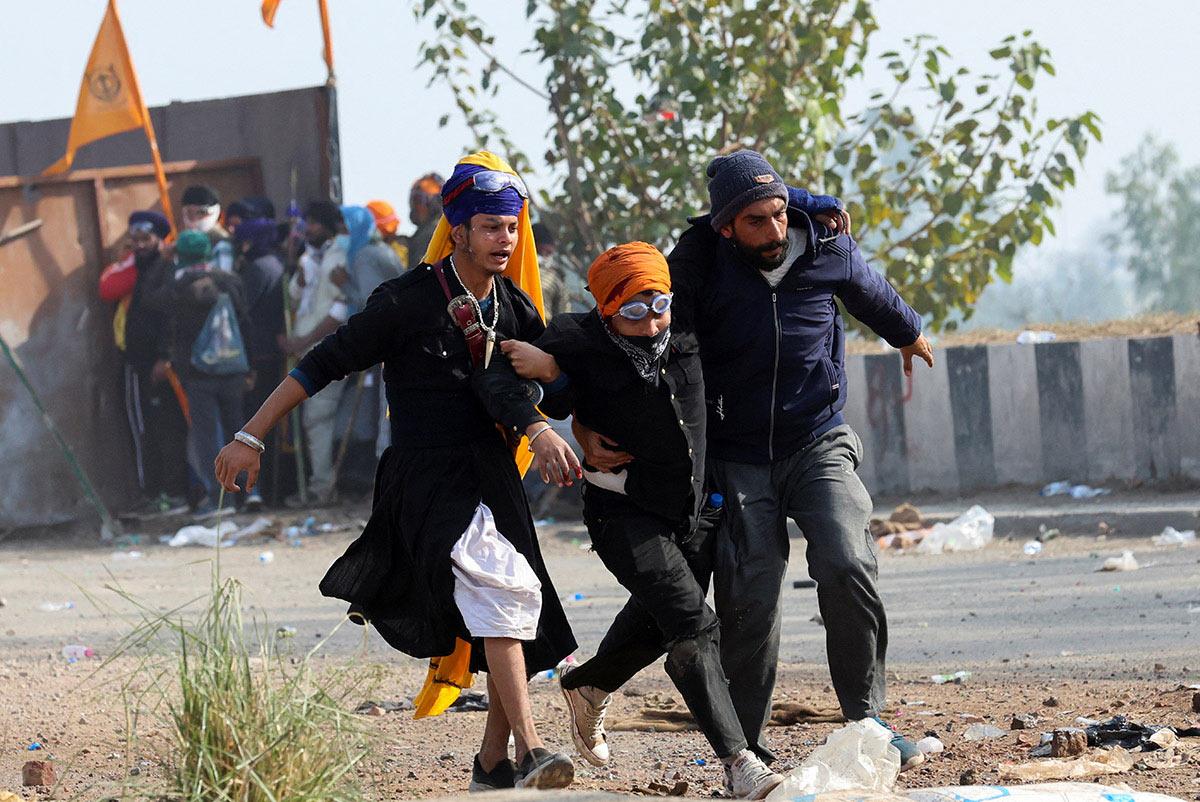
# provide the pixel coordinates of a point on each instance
(109, 99)
(120, 318)
(447, 675)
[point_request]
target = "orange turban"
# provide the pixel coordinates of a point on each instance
(622, 272)
(385, 217)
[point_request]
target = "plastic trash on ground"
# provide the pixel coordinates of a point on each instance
(1109, 761)
(1173, 537)
(1035, 336)
(207, 536)
(1042, 792)
(1032, 548)
(930, 745)
(77, 651)
(1125, 562)
(958, 677)
(1073, 490)
(969, 531)
(54, 607)
(859, 756)
(982, 732)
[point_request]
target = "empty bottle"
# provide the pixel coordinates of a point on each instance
(77, 651)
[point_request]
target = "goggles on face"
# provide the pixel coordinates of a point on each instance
(488, 181)
(636, 310)
(142, 227)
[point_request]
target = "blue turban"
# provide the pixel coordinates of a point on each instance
(152, 220)
(262, 234)
(506, 203)
(360, 225)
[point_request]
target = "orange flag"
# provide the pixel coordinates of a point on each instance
(110, 100)
(269, 7)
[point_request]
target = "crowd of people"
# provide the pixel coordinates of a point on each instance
(209, 321)
(706, 390)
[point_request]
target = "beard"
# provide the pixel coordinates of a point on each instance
(756, 255)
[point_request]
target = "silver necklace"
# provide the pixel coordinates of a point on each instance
(490, 331)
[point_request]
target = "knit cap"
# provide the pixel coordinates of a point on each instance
(737, 180)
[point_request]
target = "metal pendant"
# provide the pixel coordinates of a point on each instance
(487, 348)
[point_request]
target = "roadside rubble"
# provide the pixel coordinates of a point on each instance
(905, 529)
(858, 764)
(226, 533)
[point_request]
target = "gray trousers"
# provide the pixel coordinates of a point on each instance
(818, 488)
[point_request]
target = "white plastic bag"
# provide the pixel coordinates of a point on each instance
(859, 756)
(1173, 537)
(1042, 792)
(969, 531)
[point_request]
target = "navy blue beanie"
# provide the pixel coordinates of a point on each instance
(153, 221)
(737, 180)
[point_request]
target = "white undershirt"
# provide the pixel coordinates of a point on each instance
(796, 245)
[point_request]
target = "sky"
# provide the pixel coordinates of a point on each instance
(1135, 65)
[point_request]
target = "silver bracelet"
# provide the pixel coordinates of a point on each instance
(250, 440)
(538, 434)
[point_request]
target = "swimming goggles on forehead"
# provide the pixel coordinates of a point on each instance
(636, 310)
(488, 181)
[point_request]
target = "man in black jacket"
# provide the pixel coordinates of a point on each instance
(620, 371)
(756, 282)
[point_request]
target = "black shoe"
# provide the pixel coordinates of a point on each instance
(358, 616)
(502, 775)
(542, 768)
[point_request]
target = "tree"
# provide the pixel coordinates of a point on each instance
(946, 172)
(1160, 238)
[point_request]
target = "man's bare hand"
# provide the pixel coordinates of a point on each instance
(838, 220)
(920, 349)
(233, 460)
(339, 276)
(598, 451)
(553, 458)
(530, 362)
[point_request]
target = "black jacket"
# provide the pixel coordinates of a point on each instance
(774, 357)
(427, 368)
(148, 322)
(661, 425)
(194, 292)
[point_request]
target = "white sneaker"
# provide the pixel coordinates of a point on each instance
(587, 720)
(749, 778)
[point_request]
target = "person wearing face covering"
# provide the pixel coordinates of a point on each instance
(621, 372)
(201, 211)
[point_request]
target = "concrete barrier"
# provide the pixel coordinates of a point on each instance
(1100, 411)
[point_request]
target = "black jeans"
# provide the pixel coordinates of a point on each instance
(159, 434)
(818, 488)
(216, 407)
(666, 574)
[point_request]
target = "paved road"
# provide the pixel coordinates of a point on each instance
(995, 611)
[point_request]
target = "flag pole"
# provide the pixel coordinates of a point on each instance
(159, 173)
(328, 38)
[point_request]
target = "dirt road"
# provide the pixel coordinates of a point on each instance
(1028, 629)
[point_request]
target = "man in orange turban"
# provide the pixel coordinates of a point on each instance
(621, 372)
(388, 223)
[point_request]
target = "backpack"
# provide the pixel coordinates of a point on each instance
(219, 349)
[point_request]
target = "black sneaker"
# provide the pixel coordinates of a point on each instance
(502, 775)
(542, 768)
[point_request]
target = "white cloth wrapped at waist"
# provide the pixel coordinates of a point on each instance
(607, 481)
(495, 587)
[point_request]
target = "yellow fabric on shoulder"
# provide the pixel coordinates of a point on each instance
(449, 675)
